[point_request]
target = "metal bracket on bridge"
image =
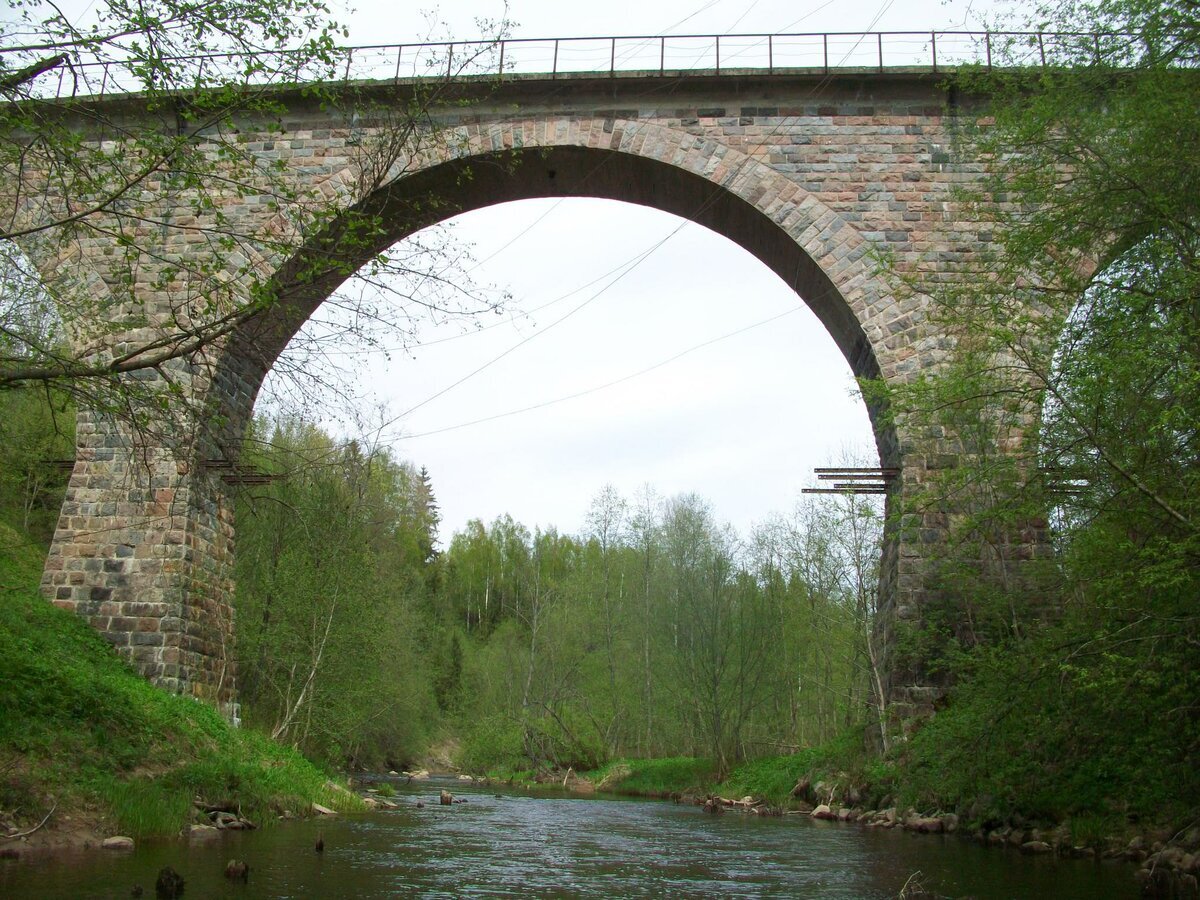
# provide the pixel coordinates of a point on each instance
(854, 480)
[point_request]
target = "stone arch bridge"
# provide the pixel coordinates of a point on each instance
(818, 175)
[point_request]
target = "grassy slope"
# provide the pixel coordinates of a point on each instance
(656, 777)
(770, 778)
(77, 726)
(1045, 761)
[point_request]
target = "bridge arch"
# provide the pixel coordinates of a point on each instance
(811, 180)
(810, 247)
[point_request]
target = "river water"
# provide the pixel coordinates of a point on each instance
(504, 843)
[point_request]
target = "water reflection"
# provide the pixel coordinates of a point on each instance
(515, 845)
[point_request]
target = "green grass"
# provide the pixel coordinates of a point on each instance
(141, 807)
(79, 726)
(771, 778)
(656, 777)
(844, 761)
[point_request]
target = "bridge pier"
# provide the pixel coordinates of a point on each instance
(143, 552)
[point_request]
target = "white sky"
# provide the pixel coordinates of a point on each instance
(742, 422)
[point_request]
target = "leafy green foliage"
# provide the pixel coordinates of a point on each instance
(495, 746)
(333, 562)
(656, 777)
(657, 633)
(1073, 395)
(75, 722)
(1081, 723)
(37, 430)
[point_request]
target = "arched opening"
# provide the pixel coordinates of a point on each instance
(526, 558)
(461, 185)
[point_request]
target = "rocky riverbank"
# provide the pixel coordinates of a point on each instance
(1168, 863)
(77, 825)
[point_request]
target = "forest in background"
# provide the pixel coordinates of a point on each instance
(1072, 696)
(657, 631)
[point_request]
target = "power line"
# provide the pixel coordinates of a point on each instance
(738, 21)
(821, 85)
(816, 91)
(455, 337)
(606, 385)
(693, 15)
(495, 359)
(516, 237)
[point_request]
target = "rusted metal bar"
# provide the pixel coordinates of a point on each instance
(933, 48)
(237, 473)
(848, 489)
(848, 476)
(834, 470)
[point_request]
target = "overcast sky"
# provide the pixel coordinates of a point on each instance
(742, 421)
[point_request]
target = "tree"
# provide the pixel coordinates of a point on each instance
(644, 541)
(859, 536)
(720, 635)
(1078, 354)
(334, 650)
(606, 524)
(73, 172)
(36, 434)
(90, 185)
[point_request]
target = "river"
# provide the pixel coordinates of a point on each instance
(506, 843)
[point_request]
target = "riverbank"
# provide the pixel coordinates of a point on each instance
(89, 750)
(833, 784)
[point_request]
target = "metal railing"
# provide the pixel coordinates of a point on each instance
(615, 56)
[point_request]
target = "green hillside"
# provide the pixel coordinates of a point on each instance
(81, 732)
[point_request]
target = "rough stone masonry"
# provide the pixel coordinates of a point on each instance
(820, 177)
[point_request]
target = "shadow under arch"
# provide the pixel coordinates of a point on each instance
(471, 182)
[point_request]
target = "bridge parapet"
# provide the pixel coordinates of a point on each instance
(628, 56)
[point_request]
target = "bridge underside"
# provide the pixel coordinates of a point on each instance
(820, 179)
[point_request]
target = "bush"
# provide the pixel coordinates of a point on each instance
(494, 746)
(1098, 735)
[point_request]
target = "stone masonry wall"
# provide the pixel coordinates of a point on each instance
(821, 178)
